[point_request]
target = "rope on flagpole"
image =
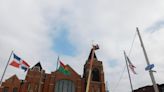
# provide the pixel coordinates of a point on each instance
(131, 47)
(117, 84)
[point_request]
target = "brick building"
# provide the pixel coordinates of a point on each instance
(150, 88)
(37, 80)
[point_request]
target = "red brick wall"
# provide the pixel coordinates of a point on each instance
(11, 83)
(47, 81)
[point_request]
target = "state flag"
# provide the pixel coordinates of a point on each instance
(63, 69)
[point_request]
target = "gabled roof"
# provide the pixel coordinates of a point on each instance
(14, 76)
(72, 70)
(38, 65)
(12, 79)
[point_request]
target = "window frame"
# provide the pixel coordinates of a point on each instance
(64, 85)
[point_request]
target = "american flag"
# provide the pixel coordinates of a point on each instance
(131, 65)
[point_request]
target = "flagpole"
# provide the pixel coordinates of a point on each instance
(6, 68)
(128, 71)
(90, 70)
(148, 63)
(57, 63)
(107, 89)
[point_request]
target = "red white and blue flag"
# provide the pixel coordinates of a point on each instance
(19, 63)
(131, 65)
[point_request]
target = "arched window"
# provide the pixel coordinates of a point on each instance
(15, 89)
(95, 75)
(64, 86)
(6, 89)
(36, 68)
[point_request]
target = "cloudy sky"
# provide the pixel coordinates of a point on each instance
(42, 30)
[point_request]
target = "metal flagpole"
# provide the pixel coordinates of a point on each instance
(6, 68)
(148, 63)
(57, 63)
(128, 71)
(107, 89)
(90, 70)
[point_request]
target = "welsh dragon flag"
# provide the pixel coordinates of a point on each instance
(63, 69)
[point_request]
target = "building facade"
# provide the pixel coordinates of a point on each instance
(150, 88)
(37, 80)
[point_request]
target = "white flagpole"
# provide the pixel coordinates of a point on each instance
(57, 63)
(90, 70)
(148, 63)
(6, 68)
(128, 71)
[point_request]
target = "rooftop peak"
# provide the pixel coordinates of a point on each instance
(38, 65)
(95, 47)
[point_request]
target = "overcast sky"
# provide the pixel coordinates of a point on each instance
(42, 30)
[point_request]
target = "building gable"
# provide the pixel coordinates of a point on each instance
(73, 73)
(13, 79)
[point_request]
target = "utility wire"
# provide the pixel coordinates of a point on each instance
(131, 47)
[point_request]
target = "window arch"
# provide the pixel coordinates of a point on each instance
(95, 75)
(36, 68)
(6, 89)
(15, 89)
(64, 86)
